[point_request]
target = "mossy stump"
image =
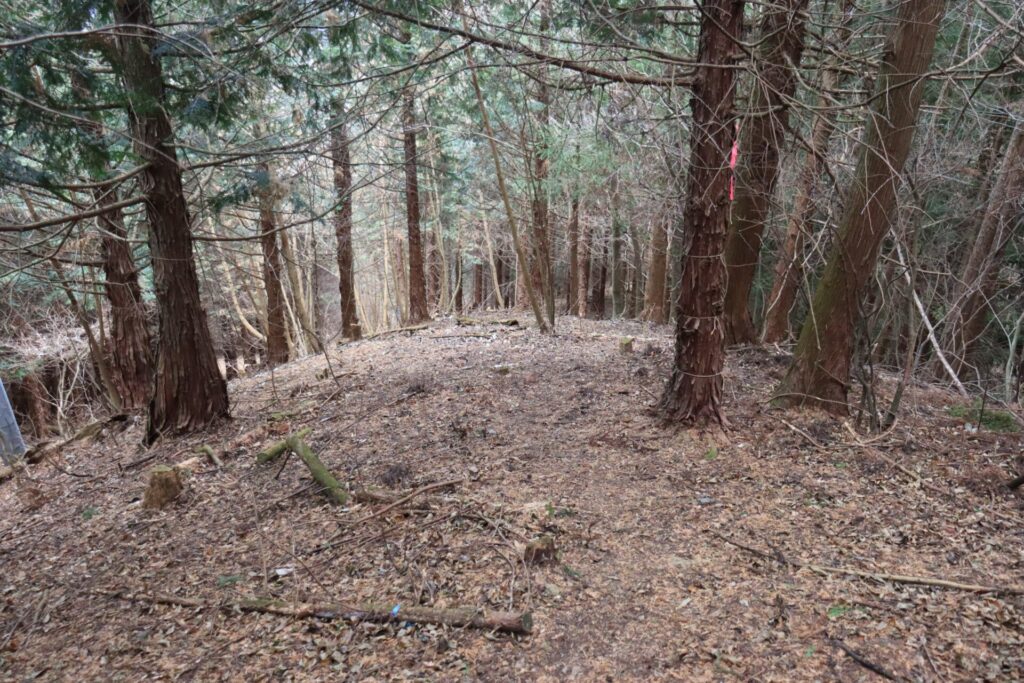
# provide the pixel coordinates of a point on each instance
(164, 486)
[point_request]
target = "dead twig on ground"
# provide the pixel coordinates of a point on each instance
(458, 617)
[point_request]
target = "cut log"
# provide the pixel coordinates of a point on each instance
(163, 487)
(458, 617)
(331, 487)
(274, 450)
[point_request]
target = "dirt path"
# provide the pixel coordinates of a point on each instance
(553, 436)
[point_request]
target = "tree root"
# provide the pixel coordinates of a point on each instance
(458, 617)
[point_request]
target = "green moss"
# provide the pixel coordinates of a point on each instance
(993, 420)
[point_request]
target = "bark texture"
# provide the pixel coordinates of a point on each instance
(189, 391)
(417, 277)
(694, 392)
(820, 372)
(276, 329)
(764, 130)
(342, 162)
(965, 322)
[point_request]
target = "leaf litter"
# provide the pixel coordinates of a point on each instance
(677, 554)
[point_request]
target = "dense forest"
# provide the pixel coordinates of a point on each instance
(792, 224)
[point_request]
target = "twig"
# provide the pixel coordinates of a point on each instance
(410, 496)
(509, 622)
(863, 661)
(874, 451)
(814, 442)
(878, 576)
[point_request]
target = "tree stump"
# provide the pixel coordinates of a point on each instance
(164, 486)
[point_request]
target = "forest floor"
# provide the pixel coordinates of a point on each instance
(681, 554)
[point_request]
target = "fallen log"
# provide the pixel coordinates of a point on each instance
(458, 617)
(211, 455)
(274, 450)
(331, 487)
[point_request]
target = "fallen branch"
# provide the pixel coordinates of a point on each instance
(274, 450)
(877, 576)
(411, 329)
(879, 454)
(458, 617)
(332, 488)
(864, 661)
(410, 496)
(210, 454)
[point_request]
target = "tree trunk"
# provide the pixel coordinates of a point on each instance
(618, 264)
(342, 162)
(598, 278)
(764, 129)
(572, 286)
(190, 392)
(694, 392)
(654, 296)
(965, 322)
(820, 372)
(276, 330)
(305, 320)
(788, 269)
(585, 260)
(417, 277)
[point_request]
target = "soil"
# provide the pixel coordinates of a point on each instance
(678, 554)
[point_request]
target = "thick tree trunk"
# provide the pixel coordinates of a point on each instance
(618, 264)
(130, 352)
(542, 262)
(965, 322)
(189, 391)
(572, 286)
(764, 129)
(276, 329)
(654, 297)
(820, 372)
(417, 277)
(342, 163)
(694, 392)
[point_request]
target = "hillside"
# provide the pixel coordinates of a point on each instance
(681, 555)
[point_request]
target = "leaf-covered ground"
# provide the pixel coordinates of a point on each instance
(682, 555)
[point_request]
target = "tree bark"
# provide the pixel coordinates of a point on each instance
(694, 392)
(598, 278)
(417, 277)
(654, 296)
(764, 129)
(342, 163)
(572, 286)
(276, 330)
(788, 270)
(541, 223)
(820, 372)
(189, 392)
(965, 322)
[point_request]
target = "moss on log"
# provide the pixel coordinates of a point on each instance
(331, 487)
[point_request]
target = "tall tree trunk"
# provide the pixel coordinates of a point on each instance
(417, 277)
(598, 278)
(276, 329)
(342, 163)
(586, 257)
(618, 264)
(572, 286)
(764, 129)
(788, 270)
(189, 392)
(302, 314)
(130, 353)
(535, 305)
(636, 289)
(965, 321)
(694, 392)
(820, 372)
(654, 296)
